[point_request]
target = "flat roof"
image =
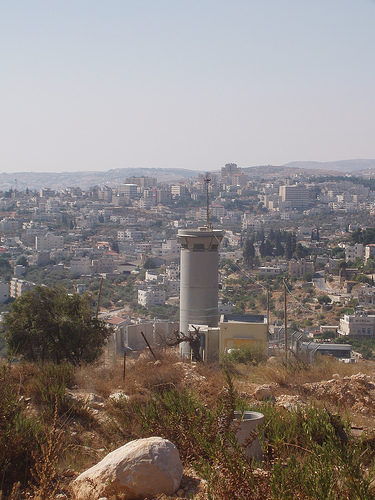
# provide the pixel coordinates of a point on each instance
(244, 318)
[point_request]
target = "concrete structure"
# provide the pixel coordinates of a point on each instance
(199, 279)
(19, 270)
(80, 265)
(9, 226)
(155, 332)
(312, 349)
(366, 295)
(119, 332)
(234, 331)
(294, 196)
(151, 297)
(269, 271)
(369, 252)
(355, 252)
(128, 191)
(143, 182)
(49, 242)
(18, 287)
(4, 292)
(359, 325)
(297, 268)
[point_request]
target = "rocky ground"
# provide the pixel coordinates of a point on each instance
(353, 393)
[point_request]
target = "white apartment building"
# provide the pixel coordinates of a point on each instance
(178, 190)
(151, 297)
(250, 223)
(151, 276)
(358, 325)
(296, 196)
(18, 287)
(49, 242)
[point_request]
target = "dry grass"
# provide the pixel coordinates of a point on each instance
(87, 441)
(297, 374)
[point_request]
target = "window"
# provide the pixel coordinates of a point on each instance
(198, 246)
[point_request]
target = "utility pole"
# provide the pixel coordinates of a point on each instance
(100, 294)
(285, 325)
(268, 314)
(207, 180)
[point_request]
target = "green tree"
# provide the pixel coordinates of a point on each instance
(22, 261)
(248, 251)
(279, 249)
(47, 323)
(324, 299)
(266, 248)
(301, 251)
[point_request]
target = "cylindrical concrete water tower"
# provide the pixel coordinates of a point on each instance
(199, 278)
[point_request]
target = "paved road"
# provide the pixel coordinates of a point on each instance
(320, 283)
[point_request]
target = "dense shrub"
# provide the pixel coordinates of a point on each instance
(18, 435)
(248, 354)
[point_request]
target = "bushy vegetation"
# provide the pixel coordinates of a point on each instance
(247, 354)
(49, 324)
(309, 452)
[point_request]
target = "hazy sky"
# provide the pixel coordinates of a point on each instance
(95, 85)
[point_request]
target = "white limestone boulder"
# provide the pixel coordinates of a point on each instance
(141, 468)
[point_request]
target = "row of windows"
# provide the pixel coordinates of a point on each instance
(198, 247)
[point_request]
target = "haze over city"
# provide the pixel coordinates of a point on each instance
(95, 85)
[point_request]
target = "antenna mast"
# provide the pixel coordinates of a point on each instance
(207, 180)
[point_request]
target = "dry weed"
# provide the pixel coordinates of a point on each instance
(45, 471)
(296, 373)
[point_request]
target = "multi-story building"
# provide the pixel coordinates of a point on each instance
(250, 223)
(178, 190)
(143, 182)
(18, 287)
(163, 196)
(9, 225)
(128, 191)
(296, 196)
(105, 194)
(80, 265)
(359, 325)
(297, 268)
(366, 295)
(46, 193)
(49, 242)
(354, 252)
(151, 297)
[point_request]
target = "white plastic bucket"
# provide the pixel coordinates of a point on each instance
(247, 422)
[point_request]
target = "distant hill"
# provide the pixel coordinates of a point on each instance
(86, 179)
(347, 166)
